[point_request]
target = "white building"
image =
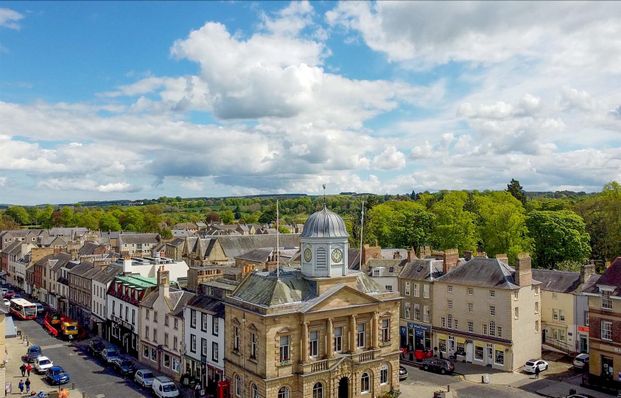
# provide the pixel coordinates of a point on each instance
(204, 338)
(148, 266)
(99, 289)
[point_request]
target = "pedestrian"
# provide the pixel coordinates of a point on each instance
(537, 372)
(23, 369)
(28, 369)
(21, 386)
(27, 384)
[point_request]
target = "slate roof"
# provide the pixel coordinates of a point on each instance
(423, 269)
(81, 269)
(236, 245)
(207, 304)
(131, 238)
(610, 277)
(107, 274)
(291, 287)
(176, 301)
(483, 272)
(61, 259)
(562, 281)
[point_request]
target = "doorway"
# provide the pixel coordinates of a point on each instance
(584, 345)
(344, 388)
(469, 352)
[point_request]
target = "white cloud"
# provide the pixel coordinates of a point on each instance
(3, 181)
(10, 18)
(391, 158)
(81, 184)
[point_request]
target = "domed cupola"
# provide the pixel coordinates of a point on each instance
(324, 245)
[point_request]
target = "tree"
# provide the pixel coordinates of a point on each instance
(558, 236)
(18, 214)
(455, 226)
(108, 222)
(502, 224)
(268, 216)
(516, 190)
(237, 213)
(227, 216)
(400, 224)
(212, 217)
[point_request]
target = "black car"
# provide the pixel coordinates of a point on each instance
(123, 366)
(438, 365)
(95, 347)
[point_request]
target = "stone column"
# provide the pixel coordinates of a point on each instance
(375, 328)
(330, 334)
(352, 333)
(304, 350)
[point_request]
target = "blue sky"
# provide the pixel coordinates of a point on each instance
(103, 100)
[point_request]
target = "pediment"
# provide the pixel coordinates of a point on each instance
(342, 297)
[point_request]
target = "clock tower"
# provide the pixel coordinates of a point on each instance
(324, 245)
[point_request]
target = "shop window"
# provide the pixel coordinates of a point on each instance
(499, 358)
(442, 345)
(478, 353)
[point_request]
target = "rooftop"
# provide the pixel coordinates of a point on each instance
(135, 280)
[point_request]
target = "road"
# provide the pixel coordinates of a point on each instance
(422, 384)
(89, 375)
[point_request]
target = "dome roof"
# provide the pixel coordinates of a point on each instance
(324, 224)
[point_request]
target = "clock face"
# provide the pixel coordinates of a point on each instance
(308, 255)
(337, 255)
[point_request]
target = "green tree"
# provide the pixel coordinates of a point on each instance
(455, 227)
(227, 216)
(108, 222)
(558, 236)
(502, 224)
(516, 190)
(18, 214)
(400, 224)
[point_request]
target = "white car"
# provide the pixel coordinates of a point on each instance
(144, 377)
(164, 387)
(42, 364)
(532, 364)
(581, 360)
(7, 302)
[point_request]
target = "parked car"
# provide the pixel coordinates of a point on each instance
(164, 387)
(123, 365)
(6, 302)
(144, 377)
(109, 354)
(9, 294)
(42, 364)
(532, 364)
(403, 373)
(40, 308)
(581, 361)
(95, 347)
(439, 365)
(33, 352)
(57, 375)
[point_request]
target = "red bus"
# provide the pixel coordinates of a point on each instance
(23, 309)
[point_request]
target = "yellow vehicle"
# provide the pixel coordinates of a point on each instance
(61, 326)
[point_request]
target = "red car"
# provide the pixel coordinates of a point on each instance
(9, 294)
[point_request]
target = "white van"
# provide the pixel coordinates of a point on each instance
(164, 387)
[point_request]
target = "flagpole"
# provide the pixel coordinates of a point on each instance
(361, 233)
(277, 242)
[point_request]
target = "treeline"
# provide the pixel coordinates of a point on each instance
(560, 230)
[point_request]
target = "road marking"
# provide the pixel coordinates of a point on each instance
(100, 396)
(47, 347)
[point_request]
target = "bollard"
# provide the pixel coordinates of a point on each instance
(448, 388)
(73, 386)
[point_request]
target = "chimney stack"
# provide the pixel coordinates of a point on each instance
(163, 281)
(523, 271)
(502, 258)
(127, 265)
(411, 255)
(450, 258)
(586, 272)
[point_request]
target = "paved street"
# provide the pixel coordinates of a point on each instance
(89, 376)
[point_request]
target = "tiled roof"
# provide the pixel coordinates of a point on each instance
(610, 277)
(236, 245)
(107, 274)
(562, 281)
(484, 272)
(207, 304)
(422, 269)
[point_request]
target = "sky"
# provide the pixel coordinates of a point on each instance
(130, 100)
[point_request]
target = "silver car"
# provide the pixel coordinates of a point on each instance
(144, 377)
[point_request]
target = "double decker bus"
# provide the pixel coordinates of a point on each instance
(23, 309)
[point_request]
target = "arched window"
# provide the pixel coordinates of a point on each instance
(238, 386)
(318, 390)
(283, 392)
(384, 374)
(254, 391)
(365, 382)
